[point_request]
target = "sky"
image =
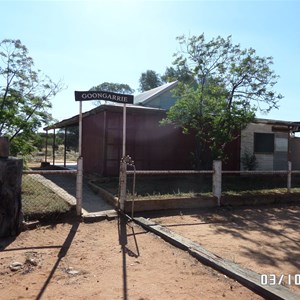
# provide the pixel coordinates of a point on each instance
(85, 43)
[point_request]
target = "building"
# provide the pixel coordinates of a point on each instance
(273, 143)
(156, 147)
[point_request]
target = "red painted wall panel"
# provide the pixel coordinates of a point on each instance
(151, 145)
(92, 143)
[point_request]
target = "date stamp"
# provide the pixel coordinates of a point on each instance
(281, 279)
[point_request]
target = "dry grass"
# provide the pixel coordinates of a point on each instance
(39, 201)
(162, 187)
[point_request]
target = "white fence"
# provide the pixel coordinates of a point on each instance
(217, 175)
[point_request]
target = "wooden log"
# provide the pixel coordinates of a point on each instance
(10, 196)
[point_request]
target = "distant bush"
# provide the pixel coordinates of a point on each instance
(249, 161)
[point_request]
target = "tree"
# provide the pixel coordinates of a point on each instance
(72, 137)
(149, 80)
(229, 86)
(25, 96)
(112, 87)
(181, 74)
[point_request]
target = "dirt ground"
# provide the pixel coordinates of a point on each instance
(265, 239)
(108, 260)
(116, 260)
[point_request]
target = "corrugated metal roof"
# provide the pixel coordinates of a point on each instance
(295, 126)
(140, 101)
(115, 107)
(145, 97)
(276, 122)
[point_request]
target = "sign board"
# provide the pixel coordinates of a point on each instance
(107, 96)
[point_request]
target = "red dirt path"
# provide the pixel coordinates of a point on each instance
(99, 261)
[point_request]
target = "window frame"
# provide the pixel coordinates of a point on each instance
(270, 149)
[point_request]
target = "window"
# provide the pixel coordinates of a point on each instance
(263, 142)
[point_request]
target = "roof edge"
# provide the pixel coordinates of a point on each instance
(72, 121)
(169, 87)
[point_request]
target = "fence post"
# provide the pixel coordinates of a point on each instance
(10, 191)
(79, 186)
(217, 180)
(289, 177)
(123, 184)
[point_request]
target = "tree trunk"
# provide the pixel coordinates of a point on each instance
(10, 196)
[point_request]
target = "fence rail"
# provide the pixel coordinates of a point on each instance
(242, 172)
(284, 172)
(48, 172)
(168, 172)
(217, 173)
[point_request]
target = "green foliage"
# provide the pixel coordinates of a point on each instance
(24, 96)
(248, 161)
(182, 74)
(72, 136)
(39, 141)
(229, 86)
(149, 80)
(111, 87)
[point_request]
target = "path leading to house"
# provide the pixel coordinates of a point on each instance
(65, 186)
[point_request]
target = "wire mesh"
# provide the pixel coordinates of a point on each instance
(232, 181)
(47, 192)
